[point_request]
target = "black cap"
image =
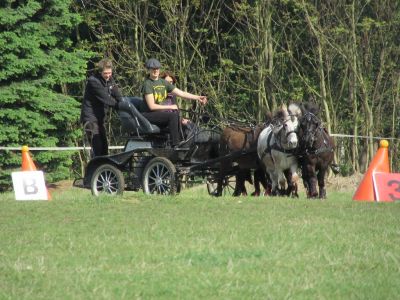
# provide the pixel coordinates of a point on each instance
(153, 63)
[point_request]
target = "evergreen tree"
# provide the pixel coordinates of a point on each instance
(39, 63)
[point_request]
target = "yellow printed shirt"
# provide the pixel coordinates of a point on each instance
(159, 88)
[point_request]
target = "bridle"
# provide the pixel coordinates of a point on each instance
(288, 133)
(277, 143)
(277, 133)
(310, 135)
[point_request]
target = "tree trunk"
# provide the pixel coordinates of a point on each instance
(353, 92)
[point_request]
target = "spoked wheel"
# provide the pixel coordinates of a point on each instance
(107, 179)
(228, 186)
(159, 177)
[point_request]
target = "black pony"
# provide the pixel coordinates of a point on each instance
(316, 151)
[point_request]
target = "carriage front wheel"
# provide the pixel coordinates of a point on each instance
(159, 177)
(107, 179)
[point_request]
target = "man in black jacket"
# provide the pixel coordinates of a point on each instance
(101, 92)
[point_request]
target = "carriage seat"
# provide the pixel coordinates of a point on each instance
(132, 121)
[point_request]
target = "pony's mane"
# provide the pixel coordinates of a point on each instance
(280, 114)
(294, 109)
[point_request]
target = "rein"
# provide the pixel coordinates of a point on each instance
(211, 119)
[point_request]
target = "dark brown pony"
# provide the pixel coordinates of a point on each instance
(316, 151)
(242, 142)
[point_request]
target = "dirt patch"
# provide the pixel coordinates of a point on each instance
(60, 186)
(344, 184)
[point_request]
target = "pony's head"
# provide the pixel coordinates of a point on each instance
(309, 124)
(285, 128)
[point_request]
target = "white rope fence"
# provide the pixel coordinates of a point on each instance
(56, 148)
(363, 136)
(122, 147)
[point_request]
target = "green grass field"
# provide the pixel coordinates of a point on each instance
(193, 246)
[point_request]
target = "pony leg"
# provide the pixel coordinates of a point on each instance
(321, 184)
(247, 177)
(313, 187)
(282, 182)
(259, 177)
(291, 178)
(240, 187)
(312, 181)
(257, 180)
(295, 180)
(305, 178)
(307, 175)
(218, 192)
(289, 181)
(267, 183)
(275, 183)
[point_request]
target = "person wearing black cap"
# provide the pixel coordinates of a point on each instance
(101, 92)
(155, 90)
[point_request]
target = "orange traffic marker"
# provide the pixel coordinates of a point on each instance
(380, 163)
(27, 162)
(29, 165)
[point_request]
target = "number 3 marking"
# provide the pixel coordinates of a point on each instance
(394, 182)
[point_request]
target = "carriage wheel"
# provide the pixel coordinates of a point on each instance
(107, 179)
(228, 186)
(159, 177)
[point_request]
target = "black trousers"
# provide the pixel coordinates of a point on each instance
(96, 134)
(170, 119)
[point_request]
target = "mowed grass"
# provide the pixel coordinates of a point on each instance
(193, 246)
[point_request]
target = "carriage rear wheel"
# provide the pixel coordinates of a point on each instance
(228, 186)
(107, 179)
(159, 177)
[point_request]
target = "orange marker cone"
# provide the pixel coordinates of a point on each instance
(27, 162)
(29, 165)
(380, 163)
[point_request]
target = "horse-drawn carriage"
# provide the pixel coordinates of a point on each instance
(148, 161)
(220, 157)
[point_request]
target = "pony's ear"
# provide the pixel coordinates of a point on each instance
(314, 108)
(303, 107)
(309, 107)
(268, 117)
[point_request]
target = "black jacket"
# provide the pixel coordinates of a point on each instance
(99, 95)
